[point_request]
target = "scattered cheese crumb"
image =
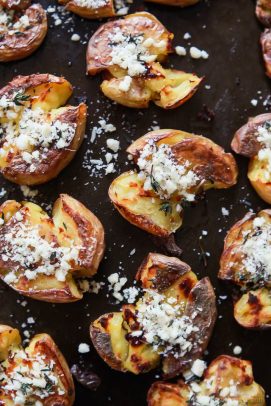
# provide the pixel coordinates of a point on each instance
(83, 348)
(198, 367)
(224, 211)
(75, 37)
(196, 53)
(113, 144)
(237, 350)
(181, 51)
(254, 102)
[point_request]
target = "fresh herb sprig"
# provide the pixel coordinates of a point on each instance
(20, 98)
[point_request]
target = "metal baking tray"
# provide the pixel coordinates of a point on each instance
(229, 32)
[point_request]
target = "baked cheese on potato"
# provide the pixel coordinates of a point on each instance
(170, 324)
(91, 9)
(44, 258)
(174, 168)
(245, 262)
(23, 27)
(39, 133)
(228, 381)
(129, 52)
(37, 375)
(253, 140)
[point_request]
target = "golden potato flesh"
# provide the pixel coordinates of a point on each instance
(226, 379)
(42, 257)
(263, 12)
(39, 134)
(191, 163)
(85, 9)
(129, 50)
(245, 262)
(23, 28)
(40, 371)
(121, 338)
(253, 140)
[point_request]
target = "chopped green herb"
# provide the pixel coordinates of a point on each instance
(64, 225)
(20, 97)
(166, 208)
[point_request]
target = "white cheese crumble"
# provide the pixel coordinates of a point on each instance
(27, 192)
(10, 23)
(187, 35)
(28, 254)
(131, 52)
(83, 348)
(162, 173)
(181, 51)
(254, 102)
(27, 377)
(113, 144)
(130, 294)
(75, 37)
(225, 212)
(196, 53)
(237, 350)
(92, 4)
(164, 326)
(116, 284)
(125, 84)
(198, 367)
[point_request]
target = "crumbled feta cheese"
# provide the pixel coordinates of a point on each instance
(224, 211)
(187, 35)
(113, 144)
(83, 348)
(237, 350)
(116, 283)
(125, 84)
(198, 367)
(75, 37)
(181, 51)
(196, 53)
(254, 102)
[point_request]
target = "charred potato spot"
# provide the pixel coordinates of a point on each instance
(227, 378)
(41, 364)
(39, 136)
(129, 51)
(22, 29)
(245, 263)
(123, 342)
(186, 165)
(251, 140)
(90, 9)
(43, 257)
(263, 12)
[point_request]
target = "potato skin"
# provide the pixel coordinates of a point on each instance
(172, 277)
(90, 13)
(82, 227)
(265, 41)
(42, 344)
(55, 160)
(222, 370)
(263, 12)
(13, 48)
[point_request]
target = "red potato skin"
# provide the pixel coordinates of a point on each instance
(244, 141)
(265, 41)
(263, 12)
(13, 48)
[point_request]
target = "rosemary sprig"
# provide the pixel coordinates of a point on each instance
(166, 208)
(19, 98)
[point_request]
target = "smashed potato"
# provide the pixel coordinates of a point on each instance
(142, 335)
(91, 9)
(43, 257)
(252, 140)
(226, 379)
(175, 166)
(36, 375)
(130, 50)
(23, 28)
(263, 12)
(39, 133)
(245, 262)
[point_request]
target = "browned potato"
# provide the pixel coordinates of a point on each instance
(23, 28)
(39, 133)
(245, 262)
(90, 9)
(252, 140)
(263, 12)
(36, 375)
(226, 379)
(141, 336)
(179, 3)
(43, 257)
(191, 162)
(266, 50)
(130, 50)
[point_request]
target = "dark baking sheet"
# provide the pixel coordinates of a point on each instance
(228, 30)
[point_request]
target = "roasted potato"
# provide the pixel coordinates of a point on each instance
(36, 375)
(226, 379)
(43, 257)
(263, 12)
(141, 336)
(245, 263)
(252, 141)
(39, 134)
(266, 50)
(90, 9)
(130, 50)
(23, 28)
(179, 3)
(142, 198)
